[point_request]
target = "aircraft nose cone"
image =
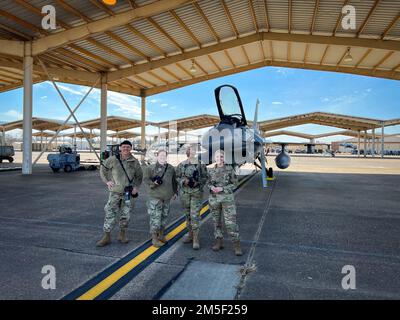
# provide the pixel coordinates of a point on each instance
(282, 161)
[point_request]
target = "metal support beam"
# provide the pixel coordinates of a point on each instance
(358, 144)
(365, 143)
(41, 139)
(262, 36)
(74, 142)
(143, 123)
(3, 137)
(27, 112)
(383, 140)
(81, 32)
(103, 114)
(72, 112)
(373, 143)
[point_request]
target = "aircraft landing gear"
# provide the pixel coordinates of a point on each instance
(270, 174)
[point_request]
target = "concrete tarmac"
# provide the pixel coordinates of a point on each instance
(303, 229)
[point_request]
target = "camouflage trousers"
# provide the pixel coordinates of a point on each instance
(114, 207)
(158, 211)
(192, 203)
(222, 207)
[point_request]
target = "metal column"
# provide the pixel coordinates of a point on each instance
(4, 136)
(103, 114)
(143, 123)
(74, 139)
(358, 144)
(365, 143)
(373, 143)
(383, 141)
(41, 139)
(27, 112)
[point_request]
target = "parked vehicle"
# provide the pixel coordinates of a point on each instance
(7, 153)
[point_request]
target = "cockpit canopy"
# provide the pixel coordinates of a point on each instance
(230, 106)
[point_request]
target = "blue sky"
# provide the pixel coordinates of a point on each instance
(281, 92)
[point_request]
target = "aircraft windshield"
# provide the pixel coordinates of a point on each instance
(229, 102)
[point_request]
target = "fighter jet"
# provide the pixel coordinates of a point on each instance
(241, 143)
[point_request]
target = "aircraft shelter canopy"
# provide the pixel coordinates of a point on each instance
(40, 124)
(327, 119)
(80, 135)
(119, 124)
(190, 123)
(43, 134)
(145, 47)
(124, 135)
(113, 123)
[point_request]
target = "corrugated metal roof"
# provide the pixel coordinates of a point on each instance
(276, 12)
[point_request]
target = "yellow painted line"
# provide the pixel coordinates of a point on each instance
(116, 275)
(126, 268)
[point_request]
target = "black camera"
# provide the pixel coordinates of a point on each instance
(157, 179)
(193, 180)
(128, 194)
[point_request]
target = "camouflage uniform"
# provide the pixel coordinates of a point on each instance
(158, 204)
(222, 205)
(111, 170)
(191, 198)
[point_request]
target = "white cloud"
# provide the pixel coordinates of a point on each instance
(12, 114)
(128, 106)
(79, 91)
(44, 97)
(283, 71)
(164, 105)
(277, 102)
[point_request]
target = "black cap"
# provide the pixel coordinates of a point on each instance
(126, 142)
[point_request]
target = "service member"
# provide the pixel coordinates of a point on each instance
(222, 180)
(123, 175)
(191, 176)
(161, 179)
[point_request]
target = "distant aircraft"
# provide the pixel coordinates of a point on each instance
(232, 134)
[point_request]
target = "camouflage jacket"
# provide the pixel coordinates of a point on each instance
(224, 177)
(111, 170)
(168, 188)
(186, 170)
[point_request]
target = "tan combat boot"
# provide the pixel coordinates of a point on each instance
(189, 237)
(105, 240)
(161, 236)
(218, 244)
(196, 242)
(122, 236)
(154, 239)
(237, 248)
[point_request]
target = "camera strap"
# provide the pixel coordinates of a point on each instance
(123, 168)
(165, 170)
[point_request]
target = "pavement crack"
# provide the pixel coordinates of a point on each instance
(78, 252)
(250, 265)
